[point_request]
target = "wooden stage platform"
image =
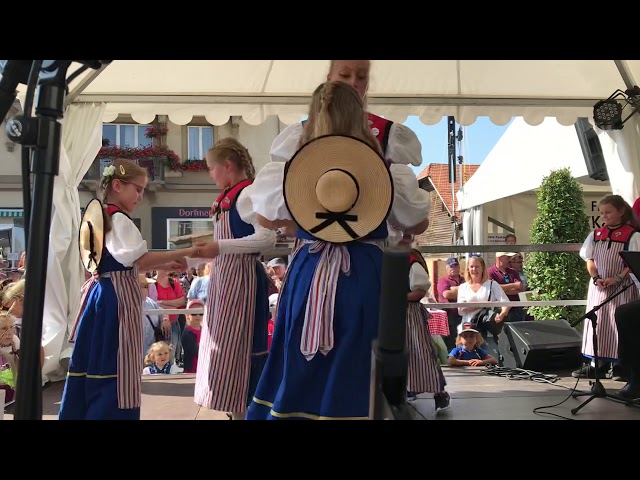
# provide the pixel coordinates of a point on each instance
(476, 395)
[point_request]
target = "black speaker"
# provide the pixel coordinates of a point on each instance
(542, 345)
(591, 150)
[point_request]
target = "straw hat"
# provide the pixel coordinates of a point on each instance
(337, 188)
(92, 235)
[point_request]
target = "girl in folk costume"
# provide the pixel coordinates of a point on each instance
(398, 143)
(339, 191)
(424, 374)
(233, 340)
(103, 382)
(609, 273)
(158, 360)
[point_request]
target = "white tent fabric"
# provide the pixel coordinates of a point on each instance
(430, 89)
(81, 141)
(473, 226)
(621, 150)
(524, 156)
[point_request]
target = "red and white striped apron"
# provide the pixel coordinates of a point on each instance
(226, 341)
(423, 375)
(609, 263)
(130, 352)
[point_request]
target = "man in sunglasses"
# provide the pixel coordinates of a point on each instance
(510, 282)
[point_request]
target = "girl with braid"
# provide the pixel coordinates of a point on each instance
(233, 341)
(103, 382)
(319, 364)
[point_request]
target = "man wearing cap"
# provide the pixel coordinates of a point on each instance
(510, 282)
(279, 268)
(448, 292)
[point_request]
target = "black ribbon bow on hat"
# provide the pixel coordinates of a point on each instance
(332, 217)
(92, 252)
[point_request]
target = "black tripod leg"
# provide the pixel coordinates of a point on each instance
(575, 410)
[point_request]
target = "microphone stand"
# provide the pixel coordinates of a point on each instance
(43, 132)
(597, 389)
(390, 359)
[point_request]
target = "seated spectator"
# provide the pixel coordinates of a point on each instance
(468, 351)
(158, 360)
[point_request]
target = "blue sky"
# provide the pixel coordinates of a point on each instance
(479, 139)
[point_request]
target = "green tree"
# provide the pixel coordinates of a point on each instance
(561, 219)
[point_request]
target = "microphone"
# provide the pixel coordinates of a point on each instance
(13, 73)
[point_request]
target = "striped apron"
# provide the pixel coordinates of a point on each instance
(226, 341)
(130, 352)
(609, 263)
(423, 375)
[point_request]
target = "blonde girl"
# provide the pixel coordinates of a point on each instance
(609, 273)
(157, 360)
(103, 381)
(233, 340)
(467, 351)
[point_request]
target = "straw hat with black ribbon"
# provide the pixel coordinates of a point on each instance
(337, 188)
(91, 238)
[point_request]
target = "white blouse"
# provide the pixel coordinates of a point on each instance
(465, 294)
(410, 203)
(262, 239)
(419, 278)
(124, 241)
(586, 252)
(403, 146)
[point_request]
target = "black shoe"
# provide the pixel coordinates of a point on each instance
(587, 371)
(443, 401)
(619, 373)
(629, 391)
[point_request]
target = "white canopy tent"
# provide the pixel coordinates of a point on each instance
(430, 89)
(520, 160)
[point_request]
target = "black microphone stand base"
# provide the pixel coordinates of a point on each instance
(597, 391)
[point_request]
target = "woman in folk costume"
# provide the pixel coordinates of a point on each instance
(339, 191)
(398, 142)
(103, 382)
(424, 373)
(233, 341)
(609, 274)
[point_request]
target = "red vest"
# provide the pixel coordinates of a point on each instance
(621, 234)
(111, 209)
(228, 197)
(380, 128)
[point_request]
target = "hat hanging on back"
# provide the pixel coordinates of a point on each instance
(91, 238)
(337, 188)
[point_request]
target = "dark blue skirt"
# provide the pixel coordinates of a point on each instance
(335, 386)
(90, 391)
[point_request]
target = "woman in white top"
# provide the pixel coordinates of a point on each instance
(477, 288)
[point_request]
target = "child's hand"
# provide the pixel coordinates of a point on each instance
(206, 250)
(476, 362)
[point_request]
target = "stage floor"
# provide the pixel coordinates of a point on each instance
(475, 395)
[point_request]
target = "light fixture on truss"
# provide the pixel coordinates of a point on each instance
(607, 114)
